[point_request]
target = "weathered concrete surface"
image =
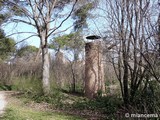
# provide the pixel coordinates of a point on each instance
(94, 69)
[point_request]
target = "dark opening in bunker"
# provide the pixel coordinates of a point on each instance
(93, 37)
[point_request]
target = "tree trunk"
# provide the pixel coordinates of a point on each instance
(73, 70)
(73, 76)
(45, 66)
(125, 82)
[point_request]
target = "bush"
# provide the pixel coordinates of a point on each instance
(6, 87)
(28, 84)
(147, 100)
(107, 105)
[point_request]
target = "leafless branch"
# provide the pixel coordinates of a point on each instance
(64, 19)
(22, 33)
(25, 39)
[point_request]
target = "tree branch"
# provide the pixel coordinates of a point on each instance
(24, 39)
(63, 20)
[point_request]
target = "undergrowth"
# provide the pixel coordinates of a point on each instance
(105, 107)
(111, 106)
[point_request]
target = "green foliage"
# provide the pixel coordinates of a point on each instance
(55, 98)
(6, 87)
(64, 100)
(61, 42)
(18, 110)
(7, 46)
(17, 11)
(3, 15)
(16, 113)
(147, 100)
(11, 9)
(107, 105)
(28, 84)
(70, 41)
(26, 49)
(81, 15)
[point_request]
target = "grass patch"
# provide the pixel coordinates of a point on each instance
(64, 100)
(18, 110)
(28, 84)
(76, 103)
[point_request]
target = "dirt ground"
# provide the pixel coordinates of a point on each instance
(3, 102)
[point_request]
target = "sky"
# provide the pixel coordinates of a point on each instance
(21, 27)
(14, 28)
(96, 26)
(10, 28)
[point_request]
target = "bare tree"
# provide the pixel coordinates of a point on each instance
(41, 15)
(131, 27)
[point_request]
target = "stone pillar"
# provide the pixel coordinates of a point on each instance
(94, 70)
